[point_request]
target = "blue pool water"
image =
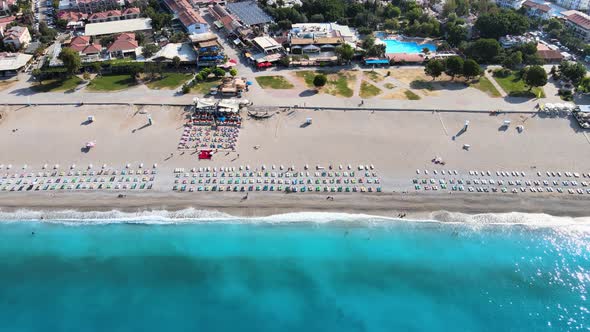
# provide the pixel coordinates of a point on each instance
(354, 273)
(396, 46)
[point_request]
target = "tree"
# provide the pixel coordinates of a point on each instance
(344, 52)
(176, 62)
(425, 50)
(233, 72)
(483, 50)
(471, 69)
(149, 50)
(496, 25)
(185, 89)
(391, 24)
(434, 68)
(320, 80)
(584, 86)
(454, 66)
(140, 37)
(218, 72)
(573, 71)
(456, 34)
(96, 67)
(71, 60)
(513, 60)
(534, 76)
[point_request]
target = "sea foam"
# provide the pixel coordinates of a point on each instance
(194, 216)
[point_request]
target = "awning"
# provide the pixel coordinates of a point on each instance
(311, 48)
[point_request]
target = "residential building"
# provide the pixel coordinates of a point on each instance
(206, 3)
(17, 36)
(124, 45)
(114, 15)
(579, 24)
(82, 45)
(11, 63)
(190, 19)
(112, 27)
(548, 55)
(4, 22)
(92, 6)
(534, 9)
(514, 4)
(583, 5)
(511, 41)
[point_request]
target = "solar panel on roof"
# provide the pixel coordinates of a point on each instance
(249, 13)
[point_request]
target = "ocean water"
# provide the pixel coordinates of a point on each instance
(297, 272)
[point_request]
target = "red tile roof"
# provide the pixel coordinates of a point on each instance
(550, 55)
(185, 12)
(541, 7)
(104, 15)
(80, 40)
(123, 42)
(132, 10)
(579, 19)
(71, 16)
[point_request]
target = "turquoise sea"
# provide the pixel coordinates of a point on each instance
(298, 272)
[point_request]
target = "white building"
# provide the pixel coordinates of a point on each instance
(514, 4)
(323, 30)
(17, 36)
(574, 4)
(579, 23)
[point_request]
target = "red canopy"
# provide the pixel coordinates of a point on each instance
(205, 154)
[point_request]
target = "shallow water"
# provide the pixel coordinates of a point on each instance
(397, 46)
(353, 273)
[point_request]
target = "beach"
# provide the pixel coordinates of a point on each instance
(397, 144)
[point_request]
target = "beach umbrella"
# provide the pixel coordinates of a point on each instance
(247, 167)
(90, 144)
(155, 165)
(9, 166)
(2, 166)
(56, 166)
(45, 166)
(248, 82)
(128, 165)
(104, 166)
(263, 167)
(90, 166)
(306, 166)
(281, 167)
(141, 165)
(25, 166)
(273, 166)
(73, 166)
(233, 61)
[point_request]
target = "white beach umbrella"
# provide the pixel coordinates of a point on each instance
(9, 166)
(44, 166)
(140, 165)
(104, 166)
(73, 166)
(349, 167)
(273, 166)
(306, 166)
(155, 165)
(90, 166)
(2, 166)
(127, 166)
(241, 167)
(281, 167)
(25, 166)
(263, 167)
(56, 166)
(247, 167)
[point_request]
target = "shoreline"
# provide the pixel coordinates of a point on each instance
(419, 206)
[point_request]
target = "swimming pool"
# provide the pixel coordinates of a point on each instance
(396, 46)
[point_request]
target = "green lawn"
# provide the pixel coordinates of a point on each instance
(339, 85)
(274, 82)
(484, 85)
(205, 87)
(368, 90)
(411, 95)
(112, 82)
(389, 85)
(169, 81)
(58, 84)
(308, 76)
(373, 76)
(515, 87)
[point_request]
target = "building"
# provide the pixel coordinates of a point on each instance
(209, 51)
(574, 4)
(82, 45)
(74, 19)
(4, 22)
(114, 15)
(323, 30)
(223, 19)
(93, 6)
(579, 24)
(207, 3)
(192, 22)
(108, 28)
(314, 45)
(511, 41)
(249, 13)
(513, 4)
(534, 9)
(11, 63)
(17, 36)
(124, 45)
(6, 6)
(268, 45)
(184, 52)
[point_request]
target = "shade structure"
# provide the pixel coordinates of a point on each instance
(205, 154)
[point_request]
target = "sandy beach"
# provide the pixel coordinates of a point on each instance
(396, 143)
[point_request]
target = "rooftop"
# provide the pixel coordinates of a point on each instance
(184, 51)
(123, 42)
(266, 42)
(105, 28)
(13, 61)
(249, 13)
(542, 7)
(15, 32)
(579, 19)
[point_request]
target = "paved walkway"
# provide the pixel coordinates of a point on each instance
(495, 84)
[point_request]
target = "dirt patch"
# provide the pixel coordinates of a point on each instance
(400, 94)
